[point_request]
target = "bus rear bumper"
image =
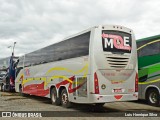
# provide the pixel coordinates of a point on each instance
(96, 98)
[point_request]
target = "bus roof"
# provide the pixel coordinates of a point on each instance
(149, 38)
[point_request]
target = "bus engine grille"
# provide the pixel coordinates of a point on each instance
(117, 62)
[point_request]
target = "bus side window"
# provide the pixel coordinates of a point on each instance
(79, 45)
(150, 49)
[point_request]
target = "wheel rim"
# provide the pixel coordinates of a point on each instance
(64, 98)
(153, 97)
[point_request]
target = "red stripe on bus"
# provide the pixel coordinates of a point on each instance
(64, 82)
(36, 89)
(70, 89)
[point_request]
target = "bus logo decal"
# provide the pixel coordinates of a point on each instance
(116, 41)
(27, 72)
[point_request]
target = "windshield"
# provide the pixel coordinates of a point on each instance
(116, 41)
(2, 73)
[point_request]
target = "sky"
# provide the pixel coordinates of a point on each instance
(34, 24)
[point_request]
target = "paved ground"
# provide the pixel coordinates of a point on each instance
(15, 102)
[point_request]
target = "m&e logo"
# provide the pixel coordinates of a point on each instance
(116, 41)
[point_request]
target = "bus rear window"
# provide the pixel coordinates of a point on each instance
(116, 42)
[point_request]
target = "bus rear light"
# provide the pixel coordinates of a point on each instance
(11, 81)
(136, 83)
(96, 85)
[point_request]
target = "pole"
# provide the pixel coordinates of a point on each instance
(10, 47)
(14, 47)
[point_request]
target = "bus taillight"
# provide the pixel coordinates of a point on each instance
(96, 85)
(136, 83)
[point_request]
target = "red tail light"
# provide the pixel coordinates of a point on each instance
(11, 81)
(136, 83)
(96, 85)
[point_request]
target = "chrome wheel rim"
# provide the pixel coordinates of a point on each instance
(64, 98)
(153, 97)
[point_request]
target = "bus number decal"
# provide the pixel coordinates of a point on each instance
(119, 90)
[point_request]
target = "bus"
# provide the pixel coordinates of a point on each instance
(95, 66)
(149, 69)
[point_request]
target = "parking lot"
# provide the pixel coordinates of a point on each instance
(15, 102)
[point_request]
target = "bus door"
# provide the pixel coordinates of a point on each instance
(79, 86)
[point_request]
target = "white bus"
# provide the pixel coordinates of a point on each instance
(95, 66)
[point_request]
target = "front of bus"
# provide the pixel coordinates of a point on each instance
(114, 58)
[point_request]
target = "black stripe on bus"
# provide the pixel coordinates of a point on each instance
(117, 58)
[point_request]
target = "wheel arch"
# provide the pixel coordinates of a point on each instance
(60, 90)
(51, 87)
(20, 86)
(151, 87)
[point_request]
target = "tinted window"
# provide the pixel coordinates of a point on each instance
(116, 42)
(71, 48)
(150, 49)
(20, 64)
(79, 46)
(141, 43)
(33, 58)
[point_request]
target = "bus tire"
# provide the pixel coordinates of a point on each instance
(153, 97)
(2, 88)
(64, 99)
(54, 99)
(20, 91)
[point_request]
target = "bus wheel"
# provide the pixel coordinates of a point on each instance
(2, 88)
(64, 99)
(20, 91)
(153, 97)
(54, 99)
